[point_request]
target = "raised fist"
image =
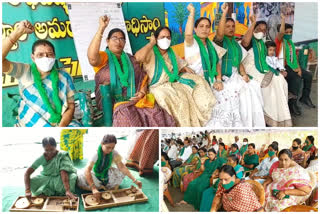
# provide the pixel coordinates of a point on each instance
(104, 21)
(25, 27)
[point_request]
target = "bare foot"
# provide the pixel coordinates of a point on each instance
(181, 203)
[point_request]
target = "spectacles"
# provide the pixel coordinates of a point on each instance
(122, 40)
(43, 54)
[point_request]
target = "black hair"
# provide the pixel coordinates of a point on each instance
(274, 147)
(212, 150)
(222, 144)
(245, 139)
(252, 144)
(230, 19)
(199, 20)
(195, 147)
(42, 42)
(49, 141)
(234, 158)
(259, 23)
(181, 143)
(311, 139)
(203, 149)
(270, 44)
(275, 142)
(298, 140)
(235, 146)
(157, 32)
(286, 26)
(285, 151)
(228, 169)
(116, 30)
(109, 139)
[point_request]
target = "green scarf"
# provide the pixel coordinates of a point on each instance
(181, 151)
(161, 65)
(234, 153)
(209, 59)
(243, 149)
(102, 174)
(260, 55)
(292, 64)
(233, 56)
(55, 112)
(306, 148)
(119, 78)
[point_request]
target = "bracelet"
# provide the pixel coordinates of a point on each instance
(219, 81)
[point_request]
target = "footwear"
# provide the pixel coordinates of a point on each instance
(307, 101)
(293, 108)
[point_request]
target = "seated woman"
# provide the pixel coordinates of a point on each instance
(297, 152)
(222, 152)
(187, 178)
(234, 150)
(234, 195)
(208, 194)
(196, 187)
(47, 93)
(309, 148)
(261, 172)
(184, 95)
(250, 160)
(127, 80)
(203, 57)
(188, 166)
(58, 177)
(288, 183)
(99, 174)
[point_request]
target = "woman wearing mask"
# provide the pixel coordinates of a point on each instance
(297, 152)
(184, 95)
(47, 93)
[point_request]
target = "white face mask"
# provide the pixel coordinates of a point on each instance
(45, 64)
(259, 35)
(164, 43)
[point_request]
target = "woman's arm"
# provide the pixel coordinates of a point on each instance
(246, 40)
(67, 115)
(222, 23)
(243, 73)
(188, 35)
(282, 27)
(126, 171)
(27, 175)
(94, 47)
(23, 27)
(143, 55)
(267, 182)
(300, 191)
(215, 204)
(65, 181)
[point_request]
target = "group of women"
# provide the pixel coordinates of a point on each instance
(213, 182)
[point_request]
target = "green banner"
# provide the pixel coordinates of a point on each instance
(51, 22)
(141, 19)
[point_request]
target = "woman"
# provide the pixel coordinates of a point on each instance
(188, 166)
(99, 174)
(203, 57)
(261, 172)
(185, 96)
(128, 82)
(187, 178)
(58, 176)
(297, 152)
(47, 93)
(288, 184)
(71, 140)
(145, 152)
(165, 169)
(234, 150)
(222, 152)
(196, 187)
(234, 195)
(309, 148)
(208, 194)
(250, 160)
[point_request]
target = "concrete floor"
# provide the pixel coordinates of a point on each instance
(309, 116)
(177, 196)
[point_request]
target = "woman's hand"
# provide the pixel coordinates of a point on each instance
(281, 195)
(25, 27)
(153, 40)
(225, 8)
(246, 78)
(28, 195)
(202, 160)
(96, 194)
(218, 86)
(138, 96)
(104, 21)
(187, 70)
(70, 195)
(191, 8)
(138, 183)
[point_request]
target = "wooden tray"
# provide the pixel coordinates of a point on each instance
(118, 198)
(50, 204)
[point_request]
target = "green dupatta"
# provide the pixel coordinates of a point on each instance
(160, 65)
(306, 148)
(191, 157)
(260, 55)
(181, 151)
(209, 59)
(101, 172)
(233, 56)
(294, 63)
(121, 77)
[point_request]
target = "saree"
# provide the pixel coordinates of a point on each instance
(223, 154)
(71, 141)
(49, 182)
(187, 178)
(188, 106)
(126, 113)
(145, 151)
(298, 157)
(249, 160)
(195, 189)
(208, 194)
(284, 179)
(32, 111)
(178, 172)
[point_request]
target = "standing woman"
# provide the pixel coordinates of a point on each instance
(128, 82)
(203, 56)
(185, 96)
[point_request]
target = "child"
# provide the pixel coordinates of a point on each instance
(272, 60)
